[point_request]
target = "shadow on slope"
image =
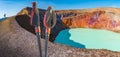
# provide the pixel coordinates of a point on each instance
(24, 21)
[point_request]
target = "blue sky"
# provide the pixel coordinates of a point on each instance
(12, 7)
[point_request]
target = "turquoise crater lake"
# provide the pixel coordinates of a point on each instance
(89, 38)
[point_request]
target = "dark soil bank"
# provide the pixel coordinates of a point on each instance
(17, 41)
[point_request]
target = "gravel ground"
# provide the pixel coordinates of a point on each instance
(17, 42)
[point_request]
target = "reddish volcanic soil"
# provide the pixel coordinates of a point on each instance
(17, 39)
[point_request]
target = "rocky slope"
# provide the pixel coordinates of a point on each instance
(23, 19)
(98, 18)
(17, 41)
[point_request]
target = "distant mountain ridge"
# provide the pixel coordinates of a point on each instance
(1, 19)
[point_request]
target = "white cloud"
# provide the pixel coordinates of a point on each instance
(113, 6)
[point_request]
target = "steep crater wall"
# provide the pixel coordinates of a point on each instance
(67, 19)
